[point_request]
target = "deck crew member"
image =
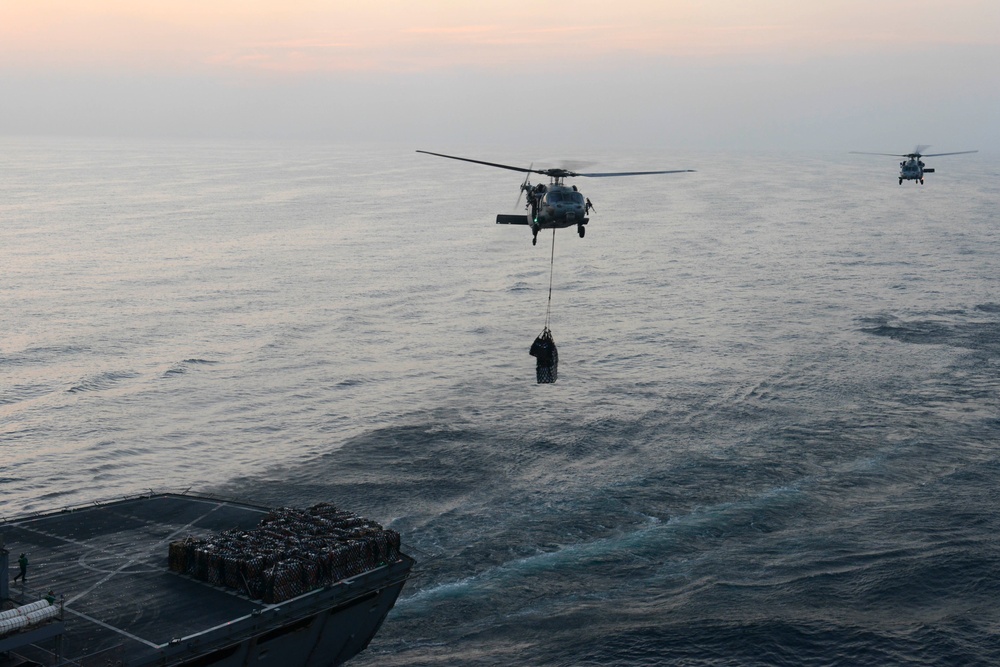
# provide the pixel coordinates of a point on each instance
(22, 561)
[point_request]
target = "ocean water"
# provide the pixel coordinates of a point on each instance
(774, 438)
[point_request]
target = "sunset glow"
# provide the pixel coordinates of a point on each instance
(712, 72)
(395, 35)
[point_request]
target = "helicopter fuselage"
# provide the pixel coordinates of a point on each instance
(552, 206)
(913, 169)
(556, 206)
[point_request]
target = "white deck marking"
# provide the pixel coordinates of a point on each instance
(110, 627)
(130, 561)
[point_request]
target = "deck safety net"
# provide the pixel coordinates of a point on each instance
(291, 552)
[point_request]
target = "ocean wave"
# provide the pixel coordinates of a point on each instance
(102, 381)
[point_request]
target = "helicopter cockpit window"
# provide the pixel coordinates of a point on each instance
(564, 197)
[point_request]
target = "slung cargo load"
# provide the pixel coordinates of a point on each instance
(546, 357)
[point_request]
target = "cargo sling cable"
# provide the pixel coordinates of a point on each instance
(552, 264)
(544, 347)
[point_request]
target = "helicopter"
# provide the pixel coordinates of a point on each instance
(913, 168)
(556, 205)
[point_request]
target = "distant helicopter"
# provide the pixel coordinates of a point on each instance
(556, 205)
(912, 168)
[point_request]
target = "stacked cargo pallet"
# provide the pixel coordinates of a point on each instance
(291, 552)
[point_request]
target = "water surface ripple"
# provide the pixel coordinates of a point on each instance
(772, 441)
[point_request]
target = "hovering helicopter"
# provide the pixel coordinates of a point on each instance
(556, 205)
(913, 168)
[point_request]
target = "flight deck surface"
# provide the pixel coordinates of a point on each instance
(109, 564)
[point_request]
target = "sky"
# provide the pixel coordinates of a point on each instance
(881, 75)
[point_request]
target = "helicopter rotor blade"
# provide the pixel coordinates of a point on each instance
(635, 173)
(889, 154)
(488, 164)
(915, 154)
(958, 153)
(574, 165)
(555, 172)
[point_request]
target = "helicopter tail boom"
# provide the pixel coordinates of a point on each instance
(508, 219)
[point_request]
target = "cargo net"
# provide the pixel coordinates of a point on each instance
(546, 356)
(290, 552)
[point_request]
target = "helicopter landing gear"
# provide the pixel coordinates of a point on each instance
(921, 181)
(534, 234)
(581, 230)
(900, 181)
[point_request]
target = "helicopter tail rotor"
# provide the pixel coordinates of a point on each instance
(524, 186)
